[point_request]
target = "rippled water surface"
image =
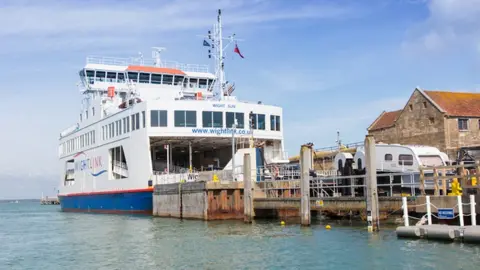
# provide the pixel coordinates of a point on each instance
(42, 237)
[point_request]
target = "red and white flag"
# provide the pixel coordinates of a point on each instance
(237, 51)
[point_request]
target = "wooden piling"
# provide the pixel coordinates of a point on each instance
(305, 166)
(371, 182)
(247, 189)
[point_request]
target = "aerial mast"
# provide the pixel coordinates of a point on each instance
(216, 44)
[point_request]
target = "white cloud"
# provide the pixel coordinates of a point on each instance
(451, 24)
(43, 24)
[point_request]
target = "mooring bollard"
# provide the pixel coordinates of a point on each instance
(305, 166)
(371, 182)
(247, 190)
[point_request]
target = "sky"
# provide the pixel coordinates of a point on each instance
(332, 65)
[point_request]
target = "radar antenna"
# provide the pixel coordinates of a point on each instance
(156, 54)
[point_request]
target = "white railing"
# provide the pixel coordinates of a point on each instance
(116, 61)
(204, 176)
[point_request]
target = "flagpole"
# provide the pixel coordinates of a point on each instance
(220, 53)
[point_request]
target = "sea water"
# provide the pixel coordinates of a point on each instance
(33, 236)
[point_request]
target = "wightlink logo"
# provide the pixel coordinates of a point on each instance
(221, 131)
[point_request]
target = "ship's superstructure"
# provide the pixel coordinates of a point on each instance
(142, 117)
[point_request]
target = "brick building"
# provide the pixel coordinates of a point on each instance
(446, 120)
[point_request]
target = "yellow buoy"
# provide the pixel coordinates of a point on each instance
(328, 227)
(282, 223)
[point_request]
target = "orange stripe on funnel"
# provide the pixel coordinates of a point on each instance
(161, 70)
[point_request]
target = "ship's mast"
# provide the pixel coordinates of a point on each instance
(216, 44)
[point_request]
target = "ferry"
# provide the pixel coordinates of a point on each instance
(148, 121)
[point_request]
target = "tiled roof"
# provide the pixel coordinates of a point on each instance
(385, 120)
(456, 103)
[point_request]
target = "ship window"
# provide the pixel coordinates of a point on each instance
(212, 119)
(93, 111)
(124, 120)
(178, 80)
(143, 119)
(118, 168)
(275, 122)
(121, 78)
(90, 73)
(193, 82)
(93, 136)
(100, 76)
(406, 160)
(167, 79)
(81, 117)
(117, 128)
(185, 118)
(202, 83)
(111, 130)
(158, 118)
(388, 157)
(156, 78)
(111, 77)
(103, 133)
(144, 78)
(137, 121)
(261, 121)
(128, 123)
(133, 76)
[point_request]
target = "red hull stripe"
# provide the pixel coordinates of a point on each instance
(107, 192)
(105, 211)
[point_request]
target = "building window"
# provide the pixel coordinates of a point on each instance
(158, 118)
(431, 120)
(212, 119)
(425, 104)
(410, 107)
(388, 157)
(230, 119)
(185, 118)
(275, 122)
(462, 124)
(405, 160)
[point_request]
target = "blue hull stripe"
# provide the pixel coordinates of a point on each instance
(128, 202)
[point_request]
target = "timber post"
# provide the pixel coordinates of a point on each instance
(371, 182)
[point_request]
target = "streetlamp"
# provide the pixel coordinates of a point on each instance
(234, 128)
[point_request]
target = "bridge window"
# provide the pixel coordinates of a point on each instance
(388, 157)
(111, 77)
(90, 76)
(202, 83)
(167, 79)
(156, 78)
(193, 83)
(121, 77)
(185, 118)
(230, 119)
(212, 119)
(178, 80)
(275, 122)
(133, 76)
(406, 160)
(100, 76)
(158, 118)
(144, 78)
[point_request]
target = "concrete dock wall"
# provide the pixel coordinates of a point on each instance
(199, 200)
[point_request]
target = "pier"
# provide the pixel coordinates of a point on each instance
(49, 201)
(372, 197)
